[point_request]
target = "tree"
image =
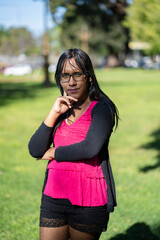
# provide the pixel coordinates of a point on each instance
(14, 41)
(144, 22)
(54, 35)
(92, 24)
(3, 34)
(47, 82)
(46, 45)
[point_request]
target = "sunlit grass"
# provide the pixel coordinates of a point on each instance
(134, 151)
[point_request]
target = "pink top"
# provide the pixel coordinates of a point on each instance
(82, 182)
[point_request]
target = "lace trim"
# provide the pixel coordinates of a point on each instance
(50, 222)
(89, 228)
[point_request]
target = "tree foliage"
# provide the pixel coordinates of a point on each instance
(14, 41)
(144, 22)
(92, 23)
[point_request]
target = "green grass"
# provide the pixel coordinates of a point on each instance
(134, 150)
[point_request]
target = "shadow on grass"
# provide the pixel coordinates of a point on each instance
(138, 231)
(18, 91)
(154, 144)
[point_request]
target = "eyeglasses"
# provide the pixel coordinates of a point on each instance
(77, 76)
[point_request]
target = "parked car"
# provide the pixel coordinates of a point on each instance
(148, 63)
(17, 70)
(131, 63)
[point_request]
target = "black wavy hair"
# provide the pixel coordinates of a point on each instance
(84, 63)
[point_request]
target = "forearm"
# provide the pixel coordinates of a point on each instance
(82, 150)
(42, 138)
(51, 118)
(99, 133)
(40, 141)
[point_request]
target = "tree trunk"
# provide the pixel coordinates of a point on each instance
(47, 82)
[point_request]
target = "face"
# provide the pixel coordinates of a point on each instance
(77, 89)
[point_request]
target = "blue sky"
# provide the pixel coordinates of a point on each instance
(24, 13)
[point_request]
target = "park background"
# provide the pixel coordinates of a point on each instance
(122, 38)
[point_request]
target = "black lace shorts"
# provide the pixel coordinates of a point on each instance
(60, 212)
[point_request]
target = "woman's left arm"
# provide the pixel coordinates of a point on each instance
(99, 131)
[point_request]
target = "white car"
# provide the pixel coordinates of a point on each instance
(18, 70)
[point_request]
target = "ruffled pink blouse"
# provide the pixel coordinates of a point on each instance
(82, 182)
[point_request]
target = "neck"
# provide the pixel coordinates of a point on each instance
(79, 107)
(82, 103)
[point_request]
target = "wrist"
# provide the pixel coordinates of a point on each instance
(51, 118)
(52, 152)
(54, 112)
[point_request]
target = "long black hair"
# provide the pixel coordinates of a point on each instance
(83, 61)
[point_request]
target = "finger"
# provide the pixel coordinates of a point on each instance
(72, 98)
(65, 100)
(71, 101)
(64, 93)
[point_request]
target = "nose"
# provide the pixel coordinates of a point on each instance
(72, 82)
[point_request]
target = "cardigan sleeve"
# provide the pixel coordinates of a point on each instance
(40, 141)
(98, 133)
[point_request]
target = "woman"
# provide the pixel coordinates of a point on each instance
(78, 192)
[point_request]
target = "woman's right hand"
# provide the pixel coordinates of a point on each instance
(62, 104)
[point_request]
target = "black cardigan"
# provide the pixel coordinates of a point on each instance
(95, 143)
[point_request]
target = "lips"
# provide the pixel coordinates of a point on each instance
(74, 90)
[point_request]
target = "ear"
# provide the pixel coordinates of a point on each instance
(90, 79)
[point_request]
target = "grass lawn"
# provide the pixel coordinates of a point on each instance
(134, 151)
